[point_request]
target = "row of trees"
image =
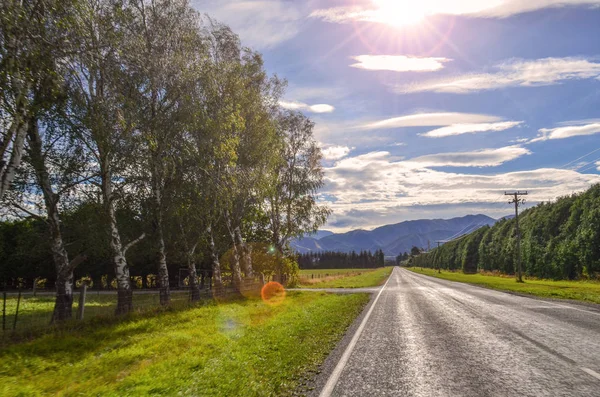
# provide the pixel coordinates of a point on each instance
(341, 260)
(129, 123)
(559, 240)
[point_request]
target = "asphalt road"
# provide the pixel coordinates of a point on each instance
(431, 337)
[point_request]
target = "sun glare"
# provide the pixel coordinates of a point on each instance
(399, 12)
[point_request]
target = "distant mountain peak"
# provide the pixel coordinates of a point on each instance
(395, 238)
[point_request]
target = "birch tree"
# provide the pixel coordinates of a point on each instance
(35, 43)
(163, 53)
(291, 203)
(102, 111)
(30, 30)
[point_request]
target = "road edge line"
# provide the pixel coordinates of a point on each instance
(337, 371)
(590, 372)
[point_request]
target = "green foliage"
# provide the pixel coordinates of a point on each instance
(560, 240)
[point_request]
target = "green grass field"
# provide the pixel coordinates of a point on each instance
(242, 348)
(36, 312)
(587, 291)
(344, 278)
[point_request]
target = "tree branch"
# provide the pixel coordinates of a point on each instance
(132, 243)
(28, 212)
(79, 259)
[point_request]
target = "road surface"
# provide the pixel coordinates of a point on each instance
(431, 337)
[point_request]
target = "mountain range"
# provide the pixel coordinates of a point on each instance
(392, 239)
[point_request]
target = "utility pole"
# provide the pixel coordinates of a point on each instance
(516, 200)
(438, 243)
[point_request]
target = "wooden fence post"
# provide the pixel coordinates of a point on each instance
(34, 286)
(3, 310)
(81, 307)
(17, 311)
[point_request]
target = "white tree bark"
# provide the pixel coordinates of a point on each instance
(63, 306)
(8, 171)
(235, 264)
(216, 266)
(163, 272)
(246, 254)
(193, 275)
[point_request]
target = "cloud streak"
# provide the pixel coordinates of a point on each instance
(370, 12)
(477, 158)
(399, 63)
(430, 120)
(459, 129)
(512, 73)
(567, 132)
(318, 108)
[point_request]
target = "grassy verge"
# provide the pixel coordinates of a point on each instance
(245, 348)
(344, 278)
(35, 312)
(587, 291)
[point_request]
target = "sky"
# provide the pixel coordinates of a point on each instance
(435, 108)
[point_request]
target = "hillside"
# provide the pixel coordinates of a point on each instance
(394, 239)
(560, 240)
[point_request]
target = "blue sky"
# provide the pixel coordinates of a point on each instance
(431, 109)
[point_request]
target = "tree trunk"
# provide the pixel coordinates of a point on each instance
(162, 270)
(202, 279)
(246, 253)
(63, 306)
(216, 266)
(193, 275)
(236, 273)
(20, 127)
(124, 291)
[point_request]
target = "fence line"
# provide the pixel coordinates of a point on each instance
(32, 310)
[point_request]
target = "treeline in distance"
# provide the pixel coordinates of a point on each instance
(559, 240)
(341, 260)
(139, 133)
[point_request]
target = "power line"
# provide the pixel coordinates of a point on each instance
(584, 156)
(589, 165)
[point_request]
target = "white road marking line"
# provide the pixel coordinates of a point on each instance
(572, 308)
(590, 372)
(335, 375)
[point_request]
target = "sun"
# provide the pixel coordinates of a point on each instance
(400, 12)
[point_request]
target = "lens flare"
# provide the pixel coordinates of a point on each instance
(273, 293)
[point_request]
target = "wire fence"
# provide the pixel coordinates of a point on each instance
(30, 311)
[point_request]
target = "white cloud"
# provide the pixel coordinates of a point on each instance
(430, 120)
(259, 23)
(335, 152)
(318, 108)
(513, 73)
(398, 12)
(458, 129)
(374, 189)
(598, 164)
(477, 158)
(398, 63)
(567, 132)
